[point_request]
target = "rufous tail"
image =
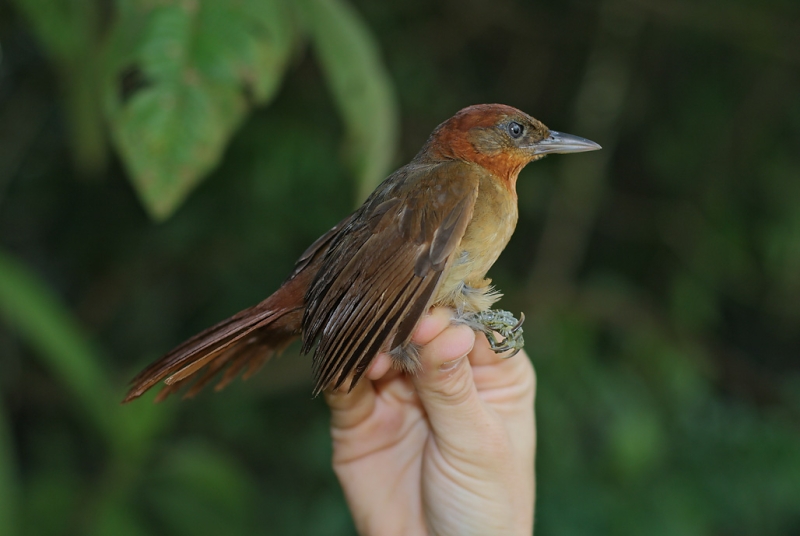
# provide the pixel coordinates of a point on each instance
(243, 342)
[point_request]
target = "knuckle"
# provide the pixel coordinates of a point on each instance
(456, 388)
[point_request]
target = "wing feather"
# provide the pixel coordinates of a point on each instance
(382, 269)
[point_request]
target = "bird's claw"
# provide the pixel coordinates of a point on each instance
(502, 322)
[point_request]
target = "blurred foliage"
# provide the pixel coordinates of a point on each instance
(660, 276)
(177, 79)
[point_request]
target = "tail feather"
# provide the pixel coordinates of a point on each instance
(244, 341)
(232, 363)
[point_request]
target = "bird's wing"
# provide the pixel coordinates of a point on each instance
(382, 269)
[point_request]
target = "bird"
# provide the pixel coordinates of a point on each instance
(425, 237)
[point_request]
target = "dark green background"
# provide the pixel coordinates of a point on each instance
(660, 277)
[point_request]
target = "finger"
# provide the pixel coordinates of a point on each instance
(432, 325)
(350, 409)
(429, 327)
(351, 406)
(492, 371)
(483, 355)
(446, 388)
(508, 387)
(379, 367)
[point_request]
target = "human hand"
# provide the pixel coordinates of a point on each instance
(448, 451)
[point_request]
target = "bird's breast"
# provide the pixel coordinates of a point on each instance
(493, 222)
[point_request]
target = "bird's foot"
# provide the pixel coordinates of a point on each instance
(494, 321)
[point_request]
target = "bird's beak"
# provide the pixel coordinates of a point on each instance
(559, 142)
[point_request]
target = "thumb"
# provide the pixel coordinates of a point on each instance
(445, 385)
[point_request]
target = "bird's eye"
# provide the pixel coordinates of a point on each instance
(515, 129)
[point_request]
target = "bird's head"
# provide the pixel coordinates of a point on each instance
(499, 138)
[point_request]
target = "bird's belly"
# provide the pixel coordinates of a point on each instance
(464, 285)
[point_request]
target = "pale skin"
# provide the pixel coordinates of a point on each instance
(449, 451)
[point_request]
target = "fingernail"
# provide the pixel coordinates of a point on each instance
(450, 365)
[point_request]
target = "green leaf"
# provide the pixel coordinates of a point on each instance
(259, 60)
(9, 492)
(27, 305)
(360, 85)
(198, 65)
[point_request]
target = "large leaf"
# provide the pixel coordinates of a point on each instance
(359, 83)
(195, 66)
